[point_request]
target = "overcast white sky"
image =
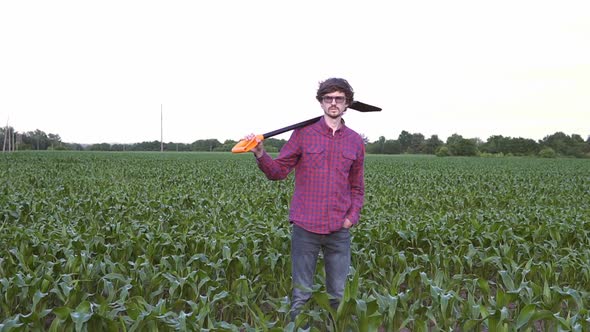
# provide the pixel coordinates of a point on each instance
(98, 71)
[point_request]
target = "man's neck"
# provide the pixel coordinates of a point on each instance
(333, 123)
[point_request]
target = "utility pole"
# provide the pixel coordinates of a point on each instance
(5, 136)
(161, 129)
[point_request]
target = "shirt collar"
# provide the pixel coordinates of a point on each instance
(326, 130)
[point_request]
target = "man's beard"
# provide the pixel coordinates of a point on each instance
(339, 114)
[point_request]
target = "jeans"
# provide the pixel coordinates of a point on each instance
(305, 247)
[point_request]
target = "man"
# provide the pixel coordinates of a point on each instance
(328, 158)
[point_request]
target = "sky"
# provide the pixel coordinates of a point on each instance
(105, 71)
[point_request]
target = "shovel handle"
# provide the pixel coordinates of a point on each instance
(246, 145)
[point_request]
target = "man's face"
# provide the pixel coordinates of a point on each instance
(334, 104)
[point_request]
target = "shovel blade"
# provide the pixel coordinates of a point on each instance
(362, 107)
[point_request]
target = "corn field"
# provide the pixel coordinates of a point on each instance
(201, 241)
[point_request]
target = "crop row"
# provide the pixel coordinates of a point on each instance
(201, 241)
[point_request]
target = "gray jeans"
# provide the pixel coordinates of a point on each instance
(305, 247)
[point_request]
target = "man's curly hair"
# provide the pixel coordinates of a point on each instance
(335, 84)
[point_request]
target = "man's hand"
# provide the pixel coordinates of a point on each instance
(347, 223)
(258, 150)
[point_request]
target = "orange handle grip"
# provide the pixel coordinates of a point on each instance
(247, 145)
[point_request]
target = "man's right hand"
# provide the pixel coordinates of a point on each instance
(258, 150)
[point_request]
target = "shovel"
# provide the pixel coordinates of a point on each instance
(247, 145)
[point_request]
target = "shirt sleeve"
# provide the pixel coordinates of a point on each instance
(279, 168)
(357, 186)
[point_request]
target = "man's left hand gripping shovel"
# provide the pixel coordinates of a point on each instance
(247, 145)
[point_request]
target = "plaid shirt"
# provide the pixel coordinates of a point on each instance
(329, 176)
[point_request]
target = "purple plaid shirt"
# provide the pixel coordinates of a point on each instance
(329, 176)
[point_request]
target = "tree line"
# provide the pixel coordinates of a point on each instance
(31, 140)
(557, 144)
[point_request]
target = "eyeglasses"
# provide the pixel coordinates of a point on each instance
(337, 99)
